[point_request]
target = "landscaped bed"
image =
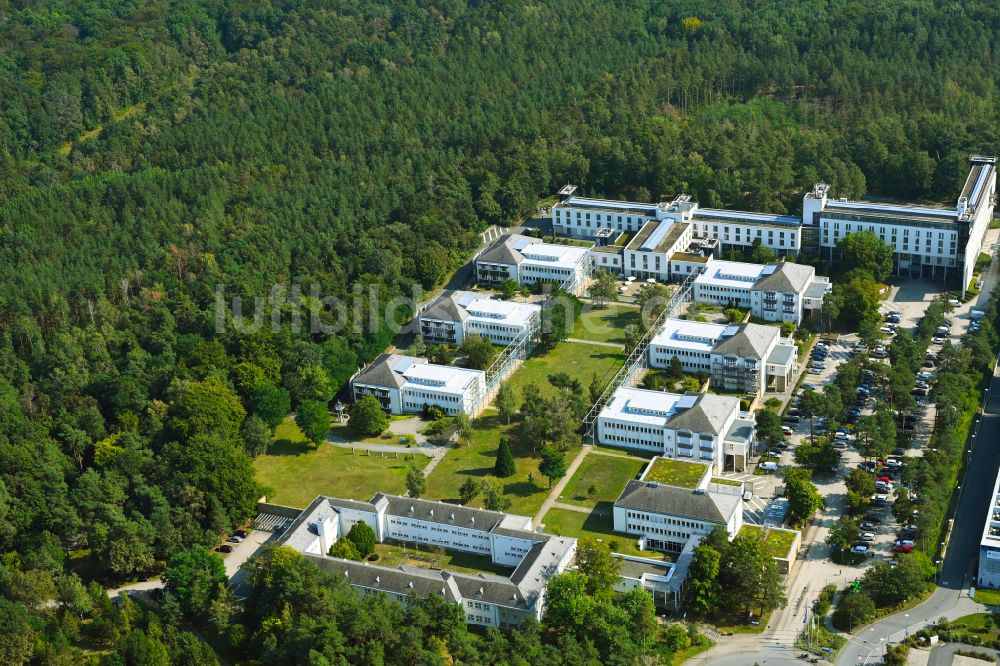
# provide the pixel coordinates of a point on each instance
(421, 555)
(676, 473)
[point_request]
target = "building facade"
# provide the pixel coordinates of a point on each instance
(781, 292)
(666, 517)
(928, 241)
(989, 545)
(701, 427)
(457, 314)
(409, 384)
(737, 357)
(528, 261)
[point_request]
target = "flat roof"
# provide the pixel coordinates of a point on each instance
(689, 335)
(553, 255)
(441, 378)
(755, 218)
(633, 207)
(731, 274)
(894, 210)
(989, 539)
(488, 310)
(782, 354)
(649, 407)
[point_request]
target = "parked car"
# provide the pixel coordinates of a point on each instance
(768, 466)
(788, 432)
(793, 412)
(224, 548)
(814, 371)
(774, 453)
(819, 365)
(808, 386)
(235, 539)
(903, 549)
(867, 465)
(868, 526)
(894, 318)
(242, 533)
(859, 549)
(793, 420)
(905, 542)
(888, 330)
(922, 392)
(873, 517)
(880, 500)
(867, 536)
(976, 313)
(893, 462)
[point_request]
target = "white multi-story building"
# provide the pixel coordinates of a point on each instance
(528, 261)
(773, 292)
(666, 517)
(487, 599)
(457, 314)
(737, 357)
(702, 427)
(989, 545)
(927, 241)
(409, 384)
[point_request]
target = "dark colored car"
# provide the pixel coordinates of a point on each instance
(224, 548)
(873, 517)
(242, 533)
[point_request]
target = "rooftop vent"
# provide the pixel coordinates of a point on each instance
(451, 517)
(378, 579)
(410, 585)
(411, 508)
(480, 591)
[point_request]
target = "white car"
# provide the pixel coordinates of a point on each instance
(788, 432)
(768, 466)
(867, 536)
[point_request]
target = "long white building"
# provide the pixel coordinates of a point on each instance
(409, 384)
(457, 314)
(774, 292)
(989, 544)
(928, 241)
(702, 427)
(737, 357)
(528, 260)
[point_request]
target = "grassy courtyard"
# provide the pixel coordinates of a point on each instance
(577, 359)
(597, 524)
(605, 324)
(477, 458)
(428, 557)
(676, 473)
(296, 473)
(778, 542)
(607, 477)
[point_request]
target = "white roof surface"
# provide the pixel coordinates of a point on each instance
(508, 312)
(441, 378)
(648, 407)
(553, 255)
(689, 335)
(731, 274)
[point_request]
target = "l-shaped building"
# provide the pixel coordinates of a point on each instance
(409, 384)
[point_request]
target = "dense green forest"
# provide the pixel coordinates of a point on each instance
(151, 151)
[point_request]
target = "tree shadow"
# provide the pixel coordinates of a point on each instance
(286, 447)
(522, 489)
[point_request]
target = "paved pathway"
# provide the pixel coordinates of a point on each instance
(553, 497)
(597, 343)
(574, 507)
(399, 427)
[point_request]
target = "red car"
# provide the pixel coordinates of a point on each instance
(884, 478)
(904, 549)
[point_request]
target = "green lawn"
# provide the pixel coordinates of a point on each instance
(296, 472)
(607, 475)
(477, 459)
(988, 597)
(605, 324)
(778, 542)
(597, 524)
(421, 555)
(349, 434)
(577, 359)
(676, 473)
(726, 482)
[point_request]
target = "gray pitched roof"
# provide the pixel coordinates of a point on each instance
(750, 341)
(708, 414)
(440, 512)
(503, 252)
(786, 278)
(380, 372)
(674, 501)
(446, 308)
(400, 580)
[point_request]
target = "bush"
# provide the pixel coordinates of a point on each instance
(854, 610)
(367, 416)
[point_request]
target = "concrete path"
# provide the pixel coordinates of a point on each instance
(556, 491)
(573, 507)
(597, 343)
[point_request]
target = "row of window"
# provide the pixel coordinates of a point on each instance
(658, 519)
(412, 393)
